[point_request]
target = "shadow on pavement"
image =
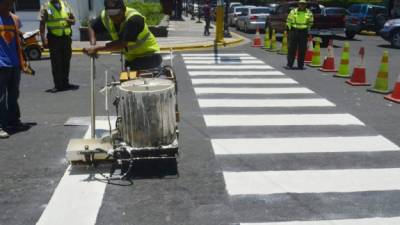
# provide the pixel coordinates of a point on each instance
(387, 46)
(25, 127)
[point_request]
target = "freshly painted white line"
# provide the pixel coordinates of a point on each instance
(258, 103)
(236, 73)
(363, 221)
(77, 199)
(281, 120)
(230, 67)
(312, 181)
(224, 62)
(218, 57)
(244, 81)
(302, 145)
(215, 55)
(220, 90)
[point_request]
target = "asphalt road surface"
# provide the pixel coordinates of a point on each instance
(259, 145)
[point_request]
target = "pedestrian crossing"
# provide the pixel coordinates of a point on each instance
(288, 156)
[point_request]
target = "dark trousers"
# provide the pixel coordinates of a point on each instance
(145, 62)
(60, 56)
(297, 40)
(207, 26)
(10, 78)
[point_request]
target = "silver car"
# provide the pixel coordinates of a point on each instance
(253, 17)
(235, 12)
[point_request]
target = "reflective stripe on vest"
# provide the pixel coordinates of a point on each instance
(145, 44)
(57, 23)
(7, 28)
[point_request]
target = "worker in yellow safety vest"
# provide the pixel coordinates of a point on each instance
(129, 33)
(299, 22)
(58, 17)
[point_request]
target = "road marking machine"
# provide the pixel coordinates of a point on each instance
(146, 125)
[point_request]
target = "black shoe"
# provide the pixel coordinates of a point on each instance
(18, 126)
(288, 67)
(71, 87)
(54, 90)
(301, 68)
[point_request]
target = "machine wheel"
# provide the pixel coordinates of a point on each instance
(395, 39)
(33, 53)
(350, 35)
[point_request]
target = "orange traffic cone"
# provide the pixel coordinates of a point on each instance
(395, 95)
(329, 62)
(257, 39)
(310, 50)
(358, 77)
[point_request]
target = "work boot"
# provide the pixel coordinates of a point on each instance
(3, 134)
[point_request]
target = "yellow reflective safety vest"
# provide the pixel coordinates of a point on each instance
(146, 43)
(57, 20)
(300, 19)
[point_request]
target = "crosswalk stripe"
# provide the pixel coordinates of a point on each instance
(76, 199)
(229, 67)
(364, 221)
(221, 90)
(222, 62)
(218, 57)
(244, 81)
(312, 181)
(281, 120)
(302, 145)
(215, 55)
(244, 103)
(235, 73)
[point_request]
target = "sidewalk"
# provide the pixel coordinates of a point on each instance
(184, 36)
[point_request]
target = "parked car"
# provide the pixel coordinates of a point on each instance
(324, 25)
(335, 11)
(391, 32)
(234, 4)
(252, 18)
(235, 12)
(365, 17)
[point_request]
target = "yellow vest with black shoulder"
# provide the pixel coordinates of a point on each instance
(300, 19)
(57, 23)
(145, 44)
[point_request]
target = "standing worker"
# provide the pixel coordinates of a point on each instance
(57, 16)
(11, 63)
(207, 18)
(130, 34)
(299, 22)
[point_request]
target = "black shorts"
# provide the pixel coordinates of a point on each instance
(145, 63)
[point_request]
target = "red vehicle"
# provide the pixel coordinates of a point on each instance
(325, 25)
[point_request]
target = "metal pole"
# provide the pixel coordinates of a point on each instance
(92, 100)
(226, 25)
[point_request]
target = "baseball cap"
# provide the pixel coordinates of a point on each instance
(113, 7)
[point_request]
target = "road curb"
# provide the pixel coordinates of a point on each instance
(191, 47)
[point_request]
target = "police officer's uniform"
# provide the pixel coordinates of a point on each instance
(298, 23)
(59, 41)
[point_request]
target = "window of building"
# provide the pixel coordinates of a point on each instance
(27, 5)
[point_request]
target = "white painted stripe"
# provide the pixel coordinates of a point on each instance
(258, 103)
(236, 73)
(281, 120)
(311, 181)
(220, 90)
(364, 221)
(76, 199)
(218, 57)
(302, 145)
(231, 67)
(215, 55)
(224, 62)
(244, 81)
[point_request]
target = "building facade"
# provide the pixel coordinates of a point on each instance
(28, 11)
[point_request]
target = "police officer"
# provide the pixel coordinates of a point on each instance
(130, 34)
(298, 22)
(57, 16)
